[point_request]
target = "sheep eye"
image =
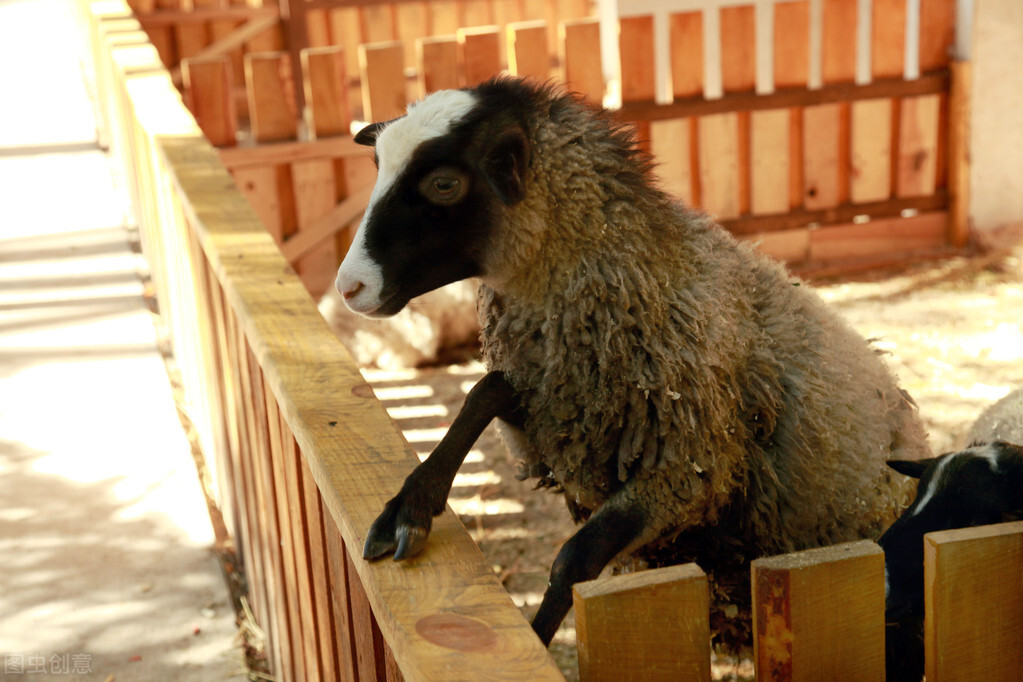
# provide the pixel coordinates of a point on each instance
(444, 187)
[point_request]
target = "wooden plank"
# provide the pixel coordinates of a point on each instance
(246, 33)
(686, 31)
(719, 165)
(315, 195)
(209, 95)
(345, 32)
(411, 21)
(238, 158)
(792, 70)
(973, 603)
(318, 664)
(870, 177)
(635, 45)
(326, 91)
(918, 146)
(788, 246)
(821, 129)
(334, 220)
(888, 28)
(650, 625)
(838, 55)
(304, 660)
(579, 48)
(382, 66)
(259, 186)
(271, 108)
(378, 23)
(479, 53)
(341, 615)
(883, 237)
(959, 154)
(438, 64)
(799, 634)
(317, 28)
(444, 17)
(671, 142)
(769, 161)
(738, 47)
(366, 633)
(937, 33)
(527, 50)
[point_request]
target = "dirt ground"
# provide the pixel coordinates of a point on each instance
(952, 332)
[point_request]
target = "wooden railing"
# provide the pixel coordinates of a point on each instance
(306, 455)
(818, 615)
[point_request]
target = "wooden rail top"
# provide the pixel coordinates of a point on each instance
(444, 613)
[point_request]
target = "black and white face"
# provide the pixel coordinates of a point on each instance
(443, 172)
(977, 486)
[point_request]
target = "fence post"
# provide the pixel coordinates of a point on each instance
(651, 625)
(819, 614)
(973, 599)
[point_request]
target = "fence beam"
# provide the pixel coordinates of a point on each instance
(819, 614)
(973, 599)
(650, 625)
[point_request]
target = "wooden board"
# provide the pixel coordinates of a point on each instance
(209, 94)
(438, 64)
(326, 91)
(792, 70)
(918, 146)
(686, 30)
(635, 44)
(480, 53)
(650, 625)
(271, 105)
(580, 55)
(527, 50)
(888, 238)
(382, 68)
(821, 159)
(769, 161)
(819, 614)
(870, 176)
(315, 195)
(888, 38)
(671, 143)
(937, 33)
(973, 601)
(719, 165)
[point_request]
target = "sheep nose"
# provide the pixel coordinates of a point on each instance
(352, 289)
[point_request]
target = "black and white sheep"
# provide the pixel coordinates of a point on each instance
(691, 402)
(979, 485)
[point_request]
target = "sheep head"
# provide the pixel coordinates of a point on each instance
(447, 171)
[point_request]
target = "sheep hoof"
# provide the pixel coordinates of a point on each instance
(398, 529)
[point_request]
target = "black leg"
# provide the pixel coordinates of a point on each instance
(583, 557)
(405, 523)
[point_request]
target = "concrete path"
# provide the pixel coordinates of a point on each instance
(106, 571)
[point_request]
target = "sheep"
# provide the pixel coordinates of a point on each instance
(430, 329)
(1001, 421)
(979, 485)
(689, 401)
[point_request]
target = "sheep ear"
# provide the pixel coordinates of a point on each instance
(911, 468)
(504, 165)
(368, 135)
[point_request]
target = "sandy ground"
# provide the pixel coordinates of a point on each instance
(106, 571)
(951, 330)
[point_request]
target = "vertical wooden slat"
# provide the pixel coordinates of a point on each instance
(438, 64)
(474, 13)
(671, 141)
(315, 191)
(382, 66)
(412, 24)
(800, 634)
(635, 44)
(480, 53)
(527, 50)
(317, 28)
(378, 23)
(652, 621)
(888, 29)
(918, 146)
(826, 127)
(719, 165)
(319, 665)
(345, 32)
(326, 90)
(791, 70)
(365, 632)
(686, 31)
(959, 155)
(304, 660)
(580, 55)
(337, 565)
(769, 161)
(209, 95)
(871, 151)
(937, 33)
(444, 16)
(973, 603)
(738, 74)
(271, 97)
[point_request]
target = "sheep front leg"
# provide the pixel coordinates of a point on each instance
(612, 529)
(405, 523)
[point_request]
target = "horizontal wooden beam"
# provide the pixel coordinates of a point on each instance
(845, 213)
(163, 18)
(275, 153)
(927, 84)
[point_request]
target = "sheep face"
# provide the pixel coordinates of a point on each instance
(980, 485)
(446, 170)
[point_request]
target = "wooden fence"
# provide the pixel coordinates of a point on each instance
(819, 615)
(306, 455)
